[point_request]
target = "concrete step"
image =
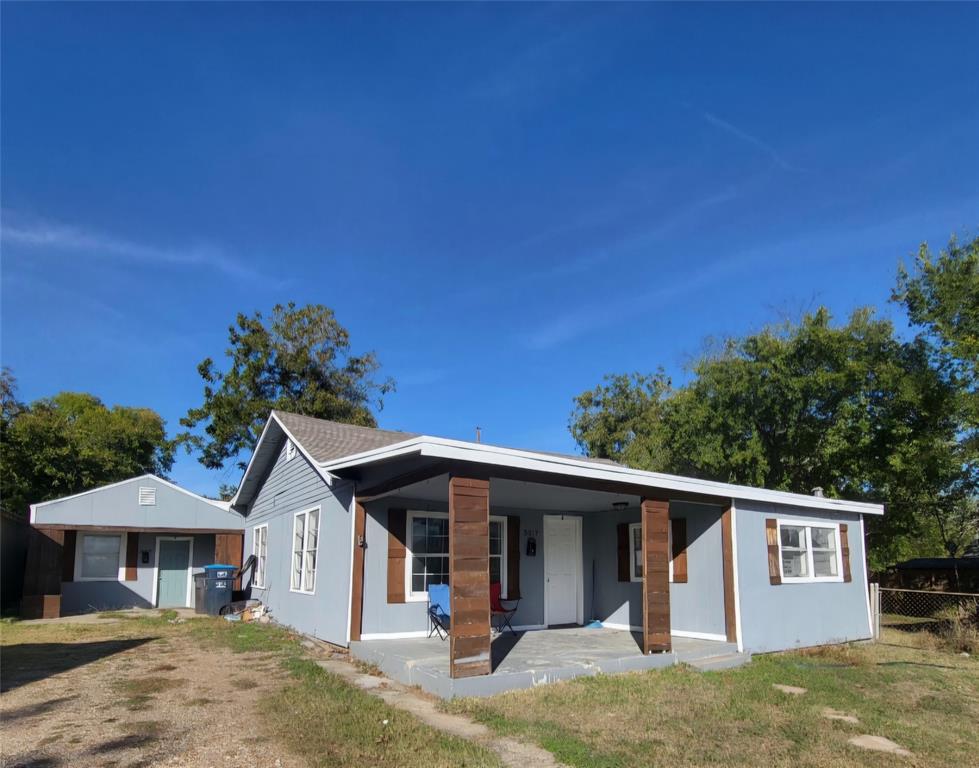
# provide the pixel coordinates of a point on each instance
(704, 651)
(716, 663)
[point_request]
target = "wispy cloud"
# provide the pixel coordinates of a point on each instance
(820, 246)
(748, 138)
(569, 326)
(48, 236)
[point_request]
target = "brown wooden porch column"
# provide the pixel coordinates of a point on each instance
(43, 573)
(469, 639)
(727, 555)
(228, 550)
(357, 587)
(656, 575)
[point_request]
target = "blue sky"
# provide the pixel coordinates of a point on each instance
(505, 202)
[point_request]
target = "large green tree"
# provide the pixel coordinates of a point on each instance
(72, 442)
(849, 408)
(941, 296)
(298, 360)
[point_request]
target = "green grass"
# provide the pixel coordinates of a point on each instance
(363, 730)
(925, 700)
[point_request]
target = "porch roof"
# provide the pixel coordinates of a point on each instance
(386, 449)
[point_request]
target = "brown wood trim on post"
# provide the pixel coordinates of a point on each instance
(771, 537)
(132, 556)
(68, 556)
(469, 640)
(513, 557)
(229, 549)
(727, 556)
(397, 552)
(623, 551)
(43, 571)
(357, 586)
(845, 552)
(678, 535)
(656, 575)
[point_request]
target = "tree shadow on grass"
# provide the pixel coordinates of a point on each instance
(29, 662)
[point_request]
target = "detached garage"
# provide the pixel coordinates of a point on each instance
(133, 544)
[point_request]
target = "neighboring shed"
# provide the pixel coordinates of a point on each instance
(939, 574)
(136, 543)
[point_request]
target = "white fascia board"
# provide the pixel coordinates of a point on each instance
(437, 447)
(251, 459)
(223, 505)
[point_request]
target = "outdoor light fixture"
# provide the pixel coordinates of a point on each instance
(620, 505)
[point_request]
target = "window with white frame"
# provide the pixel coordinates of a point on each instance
(260, 546)
(99, 557)
(305, 536)
(809, 552)
(427, 562)
(635, 551)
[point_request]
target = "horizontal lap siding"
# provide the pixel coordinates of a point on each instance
(293, 486)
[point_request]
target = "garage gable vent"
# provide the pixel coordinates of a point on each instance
(147, 496)
(290, 449)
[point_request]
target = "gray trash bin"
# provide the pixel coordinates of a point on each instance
(213, 588)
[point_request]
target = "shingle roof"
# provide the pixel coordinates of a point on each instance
(329, 440)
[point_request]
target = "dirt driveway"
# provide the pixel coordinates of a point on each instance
(133, 694)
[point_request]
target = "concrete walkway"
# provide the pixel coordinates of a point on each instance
(513, 753)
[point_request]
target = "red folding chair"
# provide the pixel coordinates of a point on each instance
(502, 608)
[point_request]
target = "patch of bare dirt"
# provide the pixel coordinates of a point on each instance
(163, 703)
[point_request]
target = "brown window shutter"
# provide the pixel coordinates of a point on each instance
(771, 535)
(397, 526)
(68, 556)
(845, 552)
(622, 531)
(679, 533)
(132, 556)
(513, 557)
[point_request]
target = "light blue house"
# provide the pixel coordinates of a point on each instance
(136, 543)
(350, 526)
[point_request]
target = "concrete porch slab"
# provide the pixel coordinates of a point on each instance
(530, 659)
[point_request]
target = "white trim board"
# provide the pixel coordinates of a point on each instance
(394, 635)
(738, 634)
(190, 569)
(673, 632)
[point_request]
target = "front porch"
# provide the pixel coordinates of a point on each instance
(537, 657)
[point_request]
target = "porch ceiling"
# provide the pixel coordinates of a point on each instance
(515, 494)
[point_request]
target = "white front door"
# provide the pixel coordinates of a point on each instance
(562, 569)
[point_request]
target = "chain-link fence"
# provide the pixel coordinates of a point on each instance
(947, 616)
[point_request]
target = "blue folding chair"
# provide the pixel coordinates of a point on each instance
(439, 610)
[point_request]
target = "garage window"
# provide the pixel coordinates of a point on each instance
(99, 557)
